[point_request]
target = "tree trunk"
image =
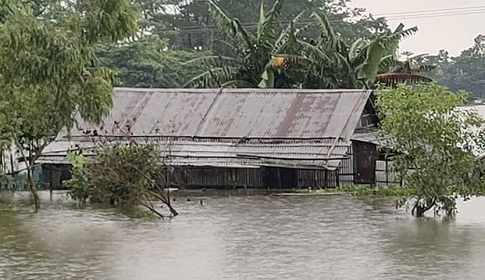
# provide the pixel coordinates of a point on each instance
(419, 211)
(51, 187)
(173, 211)
(33, 187)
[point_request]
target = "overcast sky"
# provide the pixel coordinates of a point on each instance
(453, 33)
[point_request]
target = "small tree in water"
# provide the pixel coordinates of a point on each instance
(123, 175)
(435, 143)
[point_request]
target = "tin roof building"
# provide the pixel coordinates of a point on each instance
(237, 129)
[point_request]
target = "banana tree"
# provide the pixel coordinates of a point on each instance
(335, 64)
(273, 58)
(253, 53)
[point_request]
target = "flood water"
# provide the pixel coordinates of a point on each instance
(256, 237)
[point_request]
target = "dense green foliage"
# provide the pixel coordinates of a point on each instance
(49, 71)
(253, 53)
(121, 175)
(187, 27)
(148, 63)
(271, 57)
(115, 176)
(194, 27)
(435, 144)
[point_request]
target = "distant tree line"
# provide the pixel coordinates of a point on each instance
(463, 72)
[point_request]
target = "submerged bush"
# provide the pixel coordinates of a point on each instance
(121, 175)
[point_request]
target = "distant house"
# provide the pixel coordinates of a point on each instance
(238, 138)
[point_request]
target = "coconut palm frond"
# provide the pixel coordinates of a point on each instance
(418, 56)
(223, 21)
(411, 67)
(231, 47)
(401, 33)
(247, 38)
(266, 21)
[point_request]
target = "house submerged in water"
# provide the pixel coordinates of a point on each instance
(238, 138)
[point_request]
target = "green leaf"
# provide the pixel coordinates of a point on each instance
(368, 70)
(267, 79)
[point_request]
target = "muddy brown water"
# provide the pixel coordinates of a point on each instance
(255, 237)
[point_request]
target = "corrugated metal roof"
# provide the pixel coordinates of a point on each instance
(369, 137)
(317, 153)
(233, 127)
(153, 112)
(234, 113)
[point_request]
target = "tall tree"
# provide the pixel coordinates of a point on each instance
(49, 71)
(435, 142)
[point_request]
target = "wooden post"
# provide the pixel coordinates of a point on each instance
(387, 173)
(51, 188)
(11, 165)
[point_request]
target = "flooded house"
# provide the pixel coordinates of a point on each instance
(237, 138)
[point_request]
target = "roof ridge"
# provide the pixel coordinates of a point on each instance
(240, 90)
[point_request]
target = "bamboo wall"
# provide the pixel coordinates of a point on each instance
(254, 178)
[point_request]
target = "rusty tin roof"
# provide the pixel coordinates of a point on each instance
(237, 127)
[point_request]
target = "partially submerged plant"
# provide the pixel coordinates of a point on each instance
(122, 175)
(435, 143)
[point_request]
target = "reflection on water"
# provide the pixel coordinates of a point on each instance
(259, 237)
